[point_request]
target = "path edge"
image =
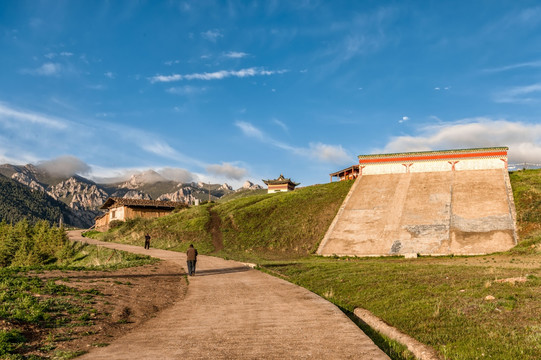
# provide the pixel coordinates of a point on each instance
(418, 349)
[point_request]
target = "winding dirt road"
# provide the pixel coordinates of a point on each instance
(233, 312)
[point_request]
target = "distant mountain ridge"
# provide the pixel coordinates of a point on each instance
(84, 197)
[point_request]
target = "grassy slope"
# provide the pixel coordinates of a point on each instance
(527, 194)
(439, 301)
(281, 225)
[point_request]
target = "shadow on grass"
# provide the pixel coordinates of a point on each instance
(222, 271)
(393, 349)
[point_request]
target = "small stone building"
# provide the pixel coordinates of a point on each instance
(122, 209)
(280, 185)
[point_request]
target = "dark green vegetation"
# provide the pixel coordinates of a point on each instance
(29, 305)
(18, 202)
(440, 301)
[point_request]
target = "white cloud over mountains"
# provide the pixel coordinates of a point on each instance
(65, 166)
(523, 139)
(217, 75)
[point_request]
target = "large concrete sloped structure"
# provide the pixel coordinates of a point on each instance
(431, 203)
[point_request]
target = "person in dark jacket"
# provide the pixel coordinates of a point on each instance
(147, 241)
(191, 259)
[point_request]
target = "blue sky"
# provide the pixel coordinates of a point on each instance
(225, 91)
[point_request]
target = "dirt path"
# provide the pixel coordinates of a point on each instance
(233, 312)
(214, 229)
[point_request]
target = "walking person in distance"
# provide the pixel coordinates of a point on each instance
(191, 259)
(147, 241)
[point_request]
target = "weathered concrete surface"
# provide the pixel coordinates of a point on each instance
(436, 213)
(234, 312)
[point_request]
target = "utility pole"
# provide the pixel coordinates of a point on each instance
(209, 191)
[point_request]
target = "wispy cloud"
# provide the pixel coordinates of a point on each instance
(404, 119)
(212, 35)
(322, 152)
(217, 75)
(110, 75)
(530, 64)
(8, 113)
(47, 69)
(281, 124)
(47, 136)
(235, 55)
(186, 90)
(227, 170)
(519, 94)
(250, 130)
(523, 140)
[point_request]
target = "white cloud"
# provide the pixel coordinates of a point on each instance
(212, 35)
(523, 140)
(47, 69)
(520, 94)
(404, 119)
(109, 74)
(235, 54)
(65, 166)
(227, 170)
(66, 53)
(217, 75)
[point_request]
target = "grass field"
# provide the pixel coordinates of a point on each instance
(445, 302)
(30, 305)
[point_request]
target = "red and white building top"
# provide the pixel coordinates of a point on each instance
(430, 161)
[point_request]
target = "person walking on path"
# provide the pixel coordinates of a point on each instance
(191, 259)
(147, 241)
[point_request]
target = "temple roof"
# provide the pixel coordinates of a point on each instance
(118, 201)
(437, 152)
(281, 180)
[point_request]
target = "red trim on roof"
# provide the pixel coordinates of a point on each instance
(433, 157)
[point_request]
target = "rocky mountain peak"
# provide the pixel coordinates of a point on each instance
(248, 185)
(225, 186)
(145, 177)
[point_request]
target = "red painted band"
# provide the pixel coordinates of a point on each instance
(432, 157)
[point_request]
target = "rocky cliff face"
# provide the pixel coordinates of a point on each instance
(183, 195)
(81, 195)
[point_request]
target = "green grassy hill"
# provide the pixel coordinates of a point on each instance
(281, 225)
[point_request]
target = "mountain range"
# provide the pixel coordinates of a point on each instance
(81, 198)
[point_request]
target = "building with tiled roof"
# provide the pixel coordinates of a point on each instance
(122, 209)
(281, 184)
